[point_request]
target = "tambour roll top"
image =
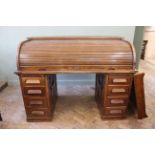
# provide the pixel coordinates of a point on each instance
(63, 54)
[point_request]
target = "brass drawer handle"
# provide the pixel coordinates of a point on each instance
(33, 92)
(119, 80)
(116, 101)
(116, 111)
(37, 102)
(37, 112)
(118, 90)
(32, 82)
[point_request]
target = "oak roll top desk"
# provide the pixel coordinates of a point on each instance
(39, 59)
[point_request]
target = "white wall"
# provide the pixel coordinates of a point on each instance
(10, 37)
(138, 40)
(149, 34)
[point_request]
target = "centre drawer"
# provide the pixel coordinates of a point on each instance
(118, 90)
(34, 91)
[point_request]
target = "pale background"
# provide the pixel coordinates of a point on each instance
(149, 34)
(69, 12)
(11, 36)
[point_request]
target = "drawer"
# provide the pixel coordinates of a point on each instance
(115, 111)
(118, 90)
(34, 91)
(35, 113)
(119, 79)
(116, 101)
(33, 80)
(35, 102)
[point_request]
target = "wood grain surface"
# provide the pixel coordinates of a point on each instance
(78, 54)
(111, 58)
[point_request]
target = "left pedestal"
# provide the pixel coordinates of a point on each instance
(39, 95)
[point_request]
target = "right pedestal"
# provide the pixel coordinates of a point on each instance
(112, 94)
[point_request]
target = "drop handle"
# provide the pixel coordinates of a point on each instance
(118, 90)
(33, 92)
(115, 111)
(36, 102)
(119, 80)
(37, 112)
(32, 82)
(116, 101)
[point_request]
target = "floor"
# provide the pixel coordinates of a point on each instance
(78, 110)
(152, 61)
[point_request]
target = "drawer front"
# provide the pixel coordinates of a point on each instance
(34, 91)
(119, 79)
(30, 80)
(35, 102)
(115, 111)
(37, 113)
(118, 90)
(117, 101)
